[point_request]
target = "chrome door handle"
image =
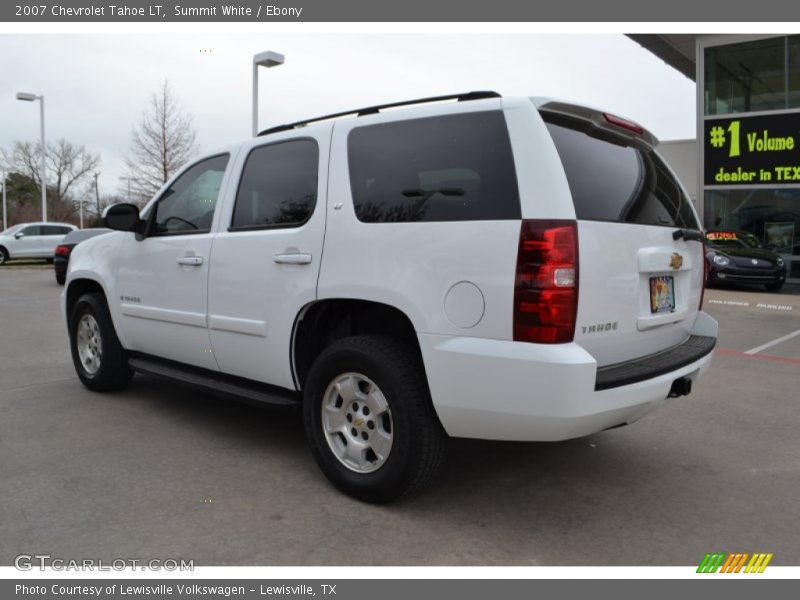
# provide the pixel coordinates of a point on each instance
(297, 258)
(194, 261)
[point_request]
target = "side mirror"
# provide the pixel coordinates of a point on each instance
(123, 217)
(19, 235)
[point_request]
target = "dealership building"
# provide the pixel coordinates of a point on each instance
(748, 133)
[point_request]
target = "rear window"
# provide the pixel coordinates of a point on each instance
(448, 168)
(614, 182)
(79, 235)
(278, 186)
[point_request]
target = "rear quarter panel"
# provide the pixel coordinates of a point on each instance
(412, 266)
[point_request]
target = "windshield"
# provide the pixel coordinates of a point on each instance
(730, 239)
(11, 229)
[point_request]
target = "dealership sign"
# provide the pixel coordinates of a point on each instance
(762, 150)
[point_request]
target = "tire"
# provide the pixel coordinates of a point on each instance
(61, 278)
(774, 287)
(3, 256)
(381, 368)
(91, 329)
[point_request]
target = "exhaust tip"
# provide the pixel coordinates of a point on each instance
(680, 387)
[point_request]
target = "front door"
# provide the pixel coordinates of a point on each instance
(162, 279)
(266, 259)
(29, 242)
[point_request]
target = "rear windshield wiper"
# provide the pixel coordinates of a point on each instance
(444, 191)
(688, 235)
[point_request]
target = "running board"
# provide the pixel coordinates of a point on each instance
(219, 384)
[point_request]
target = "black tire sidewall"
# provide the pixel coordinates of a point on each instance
(113, 372)
(391, 479)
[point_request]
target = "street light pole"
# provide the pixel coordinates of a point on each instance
(128, 179)
(27, 97)
(97, 192)
(5, 215)
(263, 59)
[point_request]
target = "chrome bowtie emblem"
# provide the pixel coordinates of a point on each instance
(754, 261)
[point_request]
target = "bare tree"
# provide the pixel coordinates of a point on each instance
(66, 164)
(163, 140)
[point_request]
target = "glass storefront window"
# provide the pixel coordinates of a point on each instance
(747, 77)
(793, 62)
(771, 215)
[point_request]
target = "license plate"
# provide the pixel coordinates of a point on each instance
(662, 294)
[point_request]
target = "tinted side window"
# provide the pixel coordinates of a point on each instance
(55, 230)
(278, 186)
(614, 182)
(187, 206)
(449, 168)
(32, 230)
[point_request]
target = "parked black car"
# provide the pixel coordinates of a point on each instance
(64, 249)
(736, 257)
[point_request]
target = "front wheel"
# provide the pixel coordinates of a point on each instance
(369, 418)
(98, 356)
(774, 287)
(3, 256)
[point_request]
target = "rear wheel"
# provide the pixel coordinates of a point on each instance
(369, 418)
(98, 356)
(61, 278)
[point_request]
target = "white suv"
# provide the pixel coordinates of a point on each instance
(496, 268)
(32, 240)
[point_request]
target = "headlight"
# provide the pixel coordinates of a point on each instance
(721, 260)
(779, 262)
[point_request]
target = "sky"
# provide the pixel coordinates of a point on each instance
(96, 86)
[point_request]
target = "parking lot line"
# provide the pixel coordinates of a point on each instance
(770, 357)
(774, 342)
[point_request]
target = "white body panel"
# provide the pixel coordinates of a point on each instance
(163, 304)
(499, 390)
(412, 266)
(617, 261)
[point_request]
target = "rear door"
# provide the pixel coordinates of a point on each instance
(640, 282)
(266, 258)
(51, 237)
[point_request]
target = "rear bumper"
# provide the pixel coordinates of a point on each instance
(500, 390)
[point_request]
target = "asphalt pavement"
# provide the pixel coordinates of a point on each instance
(159, 471)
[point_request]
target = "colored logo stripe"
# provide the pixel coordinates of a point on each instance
(734, 562)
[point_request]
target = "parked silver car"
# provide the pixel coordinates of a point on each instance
(32, 240)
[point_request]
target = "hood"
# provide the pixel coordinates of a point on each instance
(761, 253)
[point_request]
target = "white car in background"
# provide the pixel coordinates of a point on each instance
(32, 240)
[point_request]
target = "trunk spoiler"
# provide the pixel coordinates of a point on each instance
(596, 122)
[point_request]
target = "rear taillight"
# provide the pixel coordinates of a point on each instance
(62, 250)
(546, 286)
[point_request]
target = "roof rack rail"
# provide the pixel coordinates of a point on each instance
(372, 110)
